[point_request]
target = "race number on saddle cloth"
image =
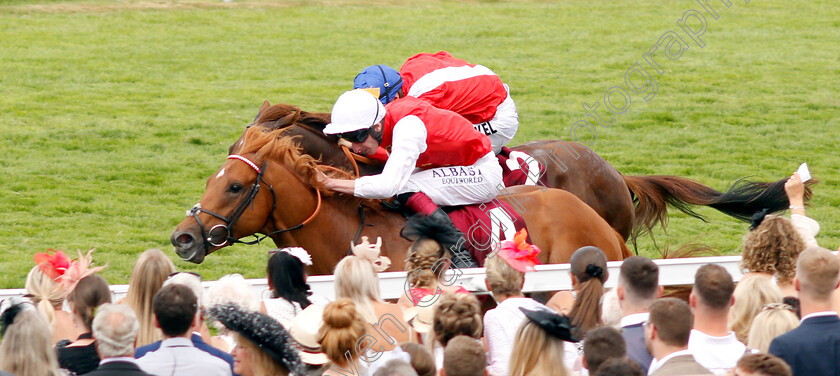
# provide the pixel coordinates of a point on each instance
(485, 226)
(473, 91)
(519, 168)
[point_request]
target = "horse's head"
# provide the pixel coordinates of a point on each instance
(237, 202)
(239, 199)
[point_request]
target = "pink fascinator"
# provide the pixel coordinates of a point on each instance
(519, 254)
(78, 269)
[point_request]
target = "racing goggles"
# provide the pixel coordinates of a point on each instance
(358, 136)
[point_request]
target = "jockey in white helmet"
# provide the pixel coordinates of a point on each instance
(436, 158)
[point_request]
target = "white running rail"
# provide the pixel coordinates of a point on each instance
(678, 271)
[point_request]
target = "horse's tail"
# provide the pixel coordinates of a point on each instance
(622, 243)
(654, 193)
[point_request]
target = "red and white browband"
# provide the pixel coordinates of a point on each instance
(243, 159)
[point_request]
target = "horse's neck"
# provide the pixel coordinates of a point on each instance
(327, 237)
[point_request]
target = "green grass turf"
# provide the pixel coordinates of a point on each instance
(113, 113)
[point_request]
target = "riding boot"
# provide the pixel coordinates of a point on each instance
(461, 258)
(421, 203)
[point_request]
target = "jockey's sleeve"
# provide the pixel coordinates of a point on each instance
(409, 141)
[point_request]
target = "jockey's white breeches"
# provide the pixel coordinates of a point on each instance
(459, 185)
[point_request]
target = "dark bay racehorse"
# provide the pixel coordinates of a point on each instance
(632, 205)
(269, 187)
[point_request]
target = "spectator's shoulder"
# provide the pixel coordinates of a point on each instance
(214, 351)
(143, 350)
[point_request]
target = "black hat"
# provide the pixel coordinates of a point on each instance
(554, 324)
(263, 331)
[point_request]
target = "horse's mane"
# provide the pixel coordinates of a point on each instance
(288, 115)
(277, 146)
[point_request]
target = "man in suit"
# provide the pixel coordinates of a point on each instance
(814, 347)
(638, 287)
(712, 343)
(115, 327)
(666, 336)
(194, 283)
(176, 314)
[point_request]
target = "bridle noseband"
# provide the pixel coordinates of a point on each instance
(230, 220)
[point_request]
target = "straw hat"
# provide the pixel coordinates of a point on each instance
(304, 330)
(421, 317)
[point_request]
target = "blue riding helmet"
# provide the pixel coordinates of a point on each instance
(386, 79)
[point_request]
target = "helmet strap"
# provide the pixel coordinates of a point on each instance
(388, 86)
(377, 135)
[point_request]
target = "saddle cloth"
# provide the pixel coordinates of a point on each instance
(519, 168)
(485, 225)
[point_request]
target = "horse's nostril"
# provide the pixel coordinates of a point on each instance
(185, 239)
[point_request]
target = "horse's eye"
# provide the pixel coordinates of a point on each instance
(235, 188)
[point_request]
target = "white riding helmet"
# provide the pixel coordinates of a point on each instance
(355, 110)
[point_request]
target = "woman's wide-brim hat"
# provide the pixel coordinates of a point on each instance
(262, 330)
(421, 317)
(304, 330)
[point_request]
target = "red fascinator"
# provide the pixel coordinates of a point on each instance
(519, 254)
(64, 271)
(53, 263)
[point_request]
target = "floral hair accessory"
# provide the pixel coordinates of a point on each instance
(53, 263)
(78, 269)
(298, 252)
(519, 254)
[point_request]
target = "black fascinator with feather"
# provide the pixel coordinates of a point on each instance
(431, 226)
(9, 314)
(554, 324)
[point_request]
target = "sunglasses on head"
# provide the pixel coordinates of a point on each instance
(190, 273)
(358, 136)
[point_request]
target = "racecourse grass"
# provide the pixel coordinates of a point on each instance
(113, 113)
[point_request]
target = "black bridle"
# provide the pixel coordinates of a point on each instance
(231, 220)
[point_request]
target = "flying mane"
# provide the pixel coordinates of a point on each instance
(286, 115)
(276, 146)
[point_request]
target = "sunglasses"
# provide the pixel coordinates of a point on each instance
(772, 306)
(358, 136)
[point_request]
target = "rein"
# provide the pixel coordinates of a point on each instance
(353, 157)
(237, 213)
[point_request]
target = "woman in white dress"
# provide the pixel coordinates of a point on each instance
(290, 294)
(505, 277)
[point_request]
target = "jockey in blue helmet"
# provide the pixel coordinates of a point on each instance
(386, 79)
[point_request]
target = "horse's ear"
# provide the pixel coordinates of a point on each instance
(264, 106)
(289, 119)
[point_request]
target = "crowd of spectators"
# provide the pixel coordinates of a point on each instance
(780, 319)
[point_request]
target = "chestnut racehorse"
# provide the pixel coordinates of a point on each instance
(632, 205)
(269, 187)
